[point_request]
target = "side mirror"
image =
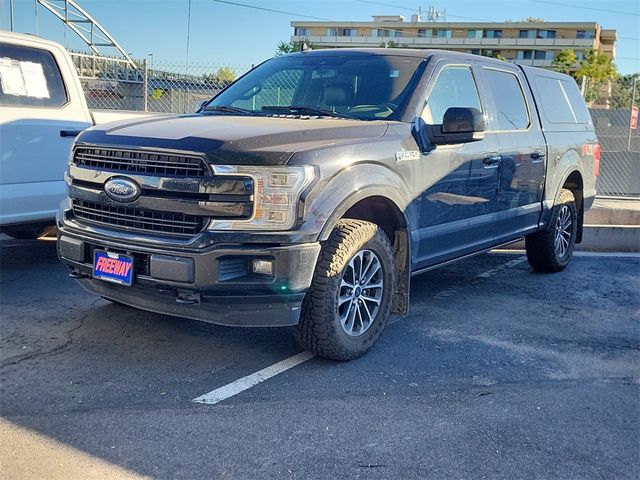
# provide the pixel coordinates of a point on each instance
(459, 125)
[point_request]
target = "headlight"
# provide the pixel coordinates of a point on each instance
(277, 192)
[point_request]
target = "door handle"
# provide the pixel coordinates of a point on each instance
(70, 133)
(538, 155)
(492, 160)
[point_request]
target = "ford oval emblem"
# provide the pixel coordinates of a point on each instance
(122, 190)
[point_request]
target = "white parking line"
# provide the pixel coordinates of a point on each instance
(245, 383)
(504, 266)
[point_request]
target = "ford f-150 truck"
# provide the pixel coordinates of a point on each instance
(42, 108)
(312, 189)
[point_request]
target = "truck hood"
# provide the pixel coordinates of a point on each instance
(235, 140)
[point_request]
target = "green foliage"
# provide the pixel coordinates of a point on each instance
(599, 69)
(156, 94)
(291, 47)
(596, 66)
(392, 44)
(564, 61)
(223, 76)
(621, 91)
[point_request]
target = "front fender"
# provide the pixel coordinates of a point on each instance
(329, 200)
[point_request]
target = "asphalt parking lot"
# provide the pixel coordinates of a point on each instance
(497, 372)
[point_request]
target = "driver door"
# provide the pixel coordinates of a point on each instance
(460, 181)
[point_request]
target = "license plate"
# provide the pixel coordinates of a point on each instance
(113, 267)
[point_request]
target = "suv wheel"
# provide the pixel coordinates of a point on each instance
(347, 305)
(552, 249)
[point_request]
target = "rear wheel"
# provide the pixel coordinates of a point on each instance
(347, 305)
(551, 250)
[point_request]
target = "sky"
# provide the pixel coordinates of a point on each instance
(225, 34)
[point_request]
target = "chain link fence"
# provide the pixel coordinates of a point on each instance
(178, 88)
(620, 162)
(115, 84)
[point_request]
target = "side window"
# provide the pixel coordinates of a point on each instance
(30, 77)
(510, 106)
(556, 106)
(454, 87)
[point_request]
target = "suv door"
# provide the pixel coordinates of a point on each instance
(460, 181)
(37, 128)
(515, 126)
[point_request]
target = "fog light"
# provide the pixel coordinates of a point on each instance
(262, 267)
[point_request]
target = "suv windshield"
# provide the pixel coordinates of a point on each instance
(354, 85)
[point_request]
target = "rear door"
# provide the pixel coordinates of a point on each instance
(460, 181)
(37, 128)
(521, 166)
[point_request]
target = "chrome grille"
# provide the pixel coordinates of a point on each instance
(126, 218)
(134, 161)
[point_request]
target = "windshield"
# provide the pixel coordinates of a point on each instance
(354, 85)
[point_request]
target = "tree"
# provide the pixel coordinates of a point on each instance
(599, 70)
(290, 47)
(564, 61)
(621, 91)
(223, 77)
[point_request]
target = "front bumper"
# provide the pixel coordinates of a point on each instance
(213, 284)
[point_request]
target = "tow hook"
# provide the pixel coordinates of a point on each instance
(76, 274)
(188, 298)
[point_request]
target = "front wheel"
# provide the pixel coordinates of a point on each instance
(551, 250)
(347, 305)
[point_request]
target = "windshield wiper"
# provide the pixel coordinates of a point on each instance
(226, 109)
(306, 110)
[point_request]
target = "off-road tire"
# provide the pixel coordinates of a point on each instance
(542, 253)
(320, 330)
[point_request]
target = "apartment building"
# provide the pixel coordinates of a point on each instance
(527, 43)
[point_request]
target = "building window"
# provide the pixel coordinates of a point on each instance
(349, 32)
(387, 32)
(527, 34)
(474, 33)
(332, 32)
(546, 34)
(524, 55)
(492, 34)
(301, 32)
(542, 55)
(590, 34)
(441, 33)
(424, 32)
(580, 56)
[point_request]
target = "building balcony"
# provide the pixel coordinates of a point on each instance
(442, 42)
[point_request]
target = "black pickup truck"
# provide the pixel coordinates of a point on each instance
(312, 189)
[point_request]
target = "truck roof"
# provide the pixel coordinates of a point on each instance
(402, 52)
(27, 39)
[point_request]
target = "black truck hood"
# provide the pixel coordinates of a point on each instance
(231, 139)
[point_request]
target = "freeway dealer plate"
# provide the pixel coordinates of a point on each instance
(113, 267)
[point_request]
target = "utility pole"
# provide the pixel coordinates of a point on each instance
(633, 101)
(145, 84)
(11, 14)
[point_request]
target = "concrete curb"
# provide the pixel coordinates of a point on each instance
(604, 238)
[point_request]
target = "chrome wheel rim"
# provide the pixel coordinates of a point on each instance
(563, 231)
(360, 293)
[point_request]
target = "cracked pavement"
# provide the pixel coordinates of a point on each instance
(496, 373)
